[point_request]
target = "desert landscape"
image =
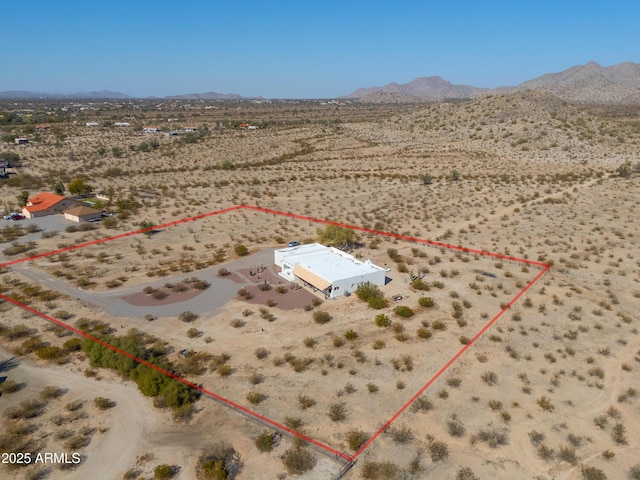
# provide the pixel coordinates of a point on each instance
(179, 272)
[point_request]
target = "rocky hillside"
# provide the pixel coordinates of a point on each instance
(592, 83)
(582, 84)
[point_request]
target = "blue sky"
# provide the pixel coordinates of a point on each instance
(304, 49)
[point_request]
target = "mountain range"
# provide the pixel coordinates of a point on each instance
(591, 83)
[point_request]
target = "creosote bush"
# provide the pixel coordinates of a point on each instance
(298, 460)
(356, 438)
(370, 293)
(321, 317)
(403, 311)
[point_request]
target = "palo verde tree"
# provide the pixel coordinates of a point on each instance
(335, 236)
(79, 187)
(23, 198)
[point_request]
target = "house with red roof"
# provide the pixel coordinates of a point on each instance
(46, 203)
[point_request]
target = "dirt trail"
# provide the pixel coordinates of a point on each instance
(129, 423)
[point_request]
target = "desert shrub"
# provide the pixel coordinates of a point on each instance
(634, 472)
(490, 378)
(9, 386)
(455, 427)
(220, 462)
(261, 353)
(423, 333)
(264, 286)
(438, 451)
(421, 404)
(381, 471)
(187, 317)
(372, 387)
(350, 334)
(382, 320)
(337, 412)
(356, 438)
(49, 352)
(294, 423)
(465, 473)
(298, 460)
(26, 409)
(568, 454)
(592, 473)
(321, 317)
(618, 434)
(545, 404)
(378, 344)
(492, 437)
(72, 345)
(266, 441)
(544, 452)
(370, 293)
(438, 325)
(240, 250)
(420, 284)
(426, 302)
(223, 272)
(403, 311)
(536, 437)
(305, 402)
(103, 403)
(255, 398)
(201, 284)
(159, 295)
(163, 472)
(62, 315)
(51, 392)
(401, 434)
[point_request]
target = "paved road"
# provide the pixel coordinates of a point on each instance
(220, 292)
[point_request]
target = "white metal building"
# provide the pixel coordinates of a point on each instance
(326, 269)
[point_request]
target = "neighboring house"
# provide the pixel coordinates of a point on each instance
(151, 129)
(93, 124)
(21, 141)
(326, 269)
(244, 125)
(121, 124)
(82, 213)
(189, 129)
(43, 126)
(47, 204)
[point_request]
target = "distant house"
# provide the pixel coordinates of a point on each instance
(244, 125)
(121, 124)
(151, 129)
(93, 124)
(189, 129)
(46, 203)
(82, 213)
(43, 126)
(21, 141)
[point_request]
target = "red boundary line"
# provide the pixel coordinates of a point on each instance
(350, 458)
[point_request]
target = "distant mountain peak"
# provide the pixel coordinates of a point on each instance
(588, 83)
(434, 88)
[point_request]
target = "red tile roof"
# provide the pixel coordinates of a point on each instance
(43, 201)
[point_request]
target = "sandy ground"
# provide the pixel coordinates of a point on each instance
(536, 179)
